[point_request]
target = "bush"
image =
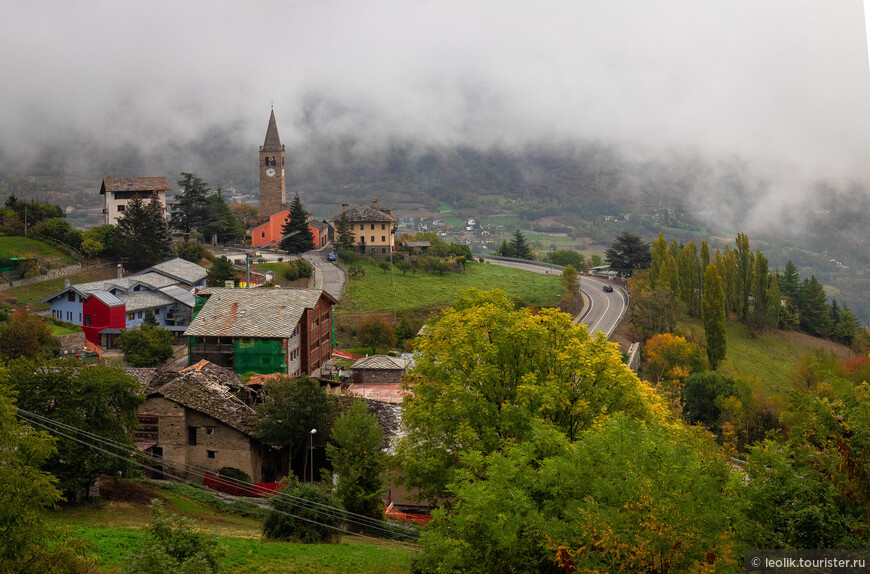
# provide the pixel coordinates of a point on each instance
(315, 524)
(377, 333)
(174, 544)
(234, 474)
(356, 271)
(190, 251)
(298, 269)
(145, 346)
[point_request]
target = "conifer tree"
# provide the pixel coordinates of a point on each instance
(813, 308)
(143, 236)
(297, 220)
(790, 281)
(714, 316)
(518, 246)
(343, 235)
(191, 209)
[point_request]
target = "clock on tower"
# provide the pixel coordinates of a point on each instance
(272, 186)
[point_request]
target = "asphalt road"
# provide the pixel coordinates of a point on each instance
(605, 309)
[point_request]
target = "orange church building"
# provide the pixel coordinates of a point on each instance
(271, 230)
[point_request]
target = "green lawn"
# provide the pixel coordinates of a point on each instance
(374, 292)
(58, 330)
(115, 530)
(16, 246)
(771, 357)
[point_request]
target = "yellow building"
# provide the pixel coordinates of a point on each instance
(373, 228)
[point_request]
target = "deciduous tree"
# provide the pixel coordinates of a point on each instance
(145, 346)
(714, 317)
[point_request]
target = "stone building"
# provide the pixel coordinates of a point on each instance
(377, 369)
(273, 191)
(119, 191)
(202, 416)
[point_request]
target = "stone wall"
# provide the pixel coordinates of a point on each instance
(363, 376)
(52, 274)
(72, 340)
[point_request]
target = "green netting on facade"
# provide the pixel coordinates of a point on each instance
(191, 343)
(262, 356)
(200, 301)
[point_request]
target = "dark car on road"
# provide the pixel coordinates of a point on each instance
(608, 288)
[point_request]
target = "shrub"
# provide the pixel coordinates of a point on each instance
(356, 271)
(174, 544)
(234, 474)
(301, 515)
(377, 333)
(297, 269)
(190, 251)
(146, 345)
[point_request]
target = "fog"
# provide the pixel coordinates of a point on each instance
(784, 85)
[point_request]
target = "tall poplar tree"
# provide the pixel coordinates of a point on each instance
(714, 316)
(659, 256)
(760, 290)
(297, 221)
(744, 273)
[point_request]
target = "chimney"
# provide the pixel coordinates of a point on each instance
(65, 283)
(120, 271)
(344, 207)
(375, 203)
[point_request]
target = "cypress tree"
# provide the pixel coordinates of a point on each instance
(714, 316)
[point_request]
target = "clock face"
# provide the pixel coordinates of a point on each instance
(270, 172)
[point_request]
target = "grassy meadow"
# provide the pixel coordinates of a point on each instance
(771, 356)
(31, 295)
(422, 291)
(16, 246)
(115, 529)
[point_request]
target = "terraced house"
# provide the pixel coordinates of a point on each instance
(105, 308)
(264, 331)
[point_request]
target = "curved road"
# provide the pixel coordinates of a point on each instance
(605, 309)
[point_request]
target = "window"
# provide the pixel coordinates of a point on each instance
(71, 296)
(351, 226)
(140, 314)
(373, 238)
(383, 226)
(121, 208)
(296, 331)
(80, 317)
(191, 436)
(87, 320)
(156, 312)
(383, 238)
(211, 453)
(262, 235)
(209, 430)
(131, 316)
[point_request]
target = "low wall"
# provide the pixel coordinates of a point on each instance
(634, 357)
(52, 274)
(72, 340)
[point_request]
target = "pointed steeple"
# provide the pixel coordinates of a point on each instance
(272, 142)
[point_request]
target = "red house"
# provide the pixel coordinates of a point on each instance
(102, 310)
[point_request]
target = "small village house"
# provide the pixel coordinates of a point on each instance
(373, 228)
(262, 331)
(201, 417)
(119, 191)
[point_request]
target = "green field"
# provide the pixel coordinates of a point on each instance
(115, 530)
(31, 295)
(373, 293)
(58, 330)
(24, 246)
(771, 357)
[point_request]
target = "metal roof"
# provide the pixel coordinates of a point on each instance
(106, 297)
(256, 313)
(181, 295)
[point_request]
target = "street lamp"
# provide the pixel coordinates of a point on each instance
(313, 432)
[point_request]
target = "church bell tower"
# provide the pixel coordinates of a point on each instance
(272, 187)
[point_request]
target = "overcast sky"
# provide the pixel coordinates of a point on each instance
(784, 81)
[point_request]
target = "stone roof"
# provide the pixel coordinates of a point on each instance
(178, 269)
(365, 213)
(140, 300)
(272, 141)
(390, 418)
(416, 244)
(113, 184)
(379, 362)
(255, 313)
(206, 388)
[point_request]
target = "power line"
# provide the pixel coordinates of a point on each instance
(326, 510)
(359, 519)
